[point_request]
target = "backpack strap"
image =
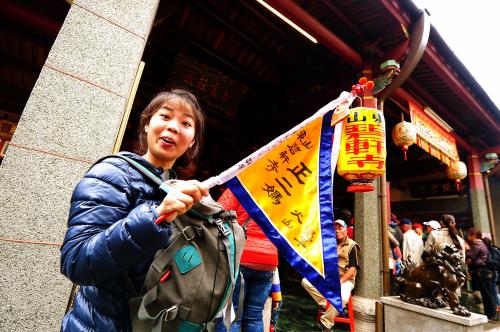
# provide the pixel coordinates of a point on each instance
(246, 222)
(161, 184)
(186, 235)
(143, 170)
(241, 298)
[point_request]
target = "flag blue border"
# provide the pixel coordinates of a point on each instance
(330, 285)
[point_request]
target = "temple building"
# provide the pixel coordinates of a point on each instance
(76, 74)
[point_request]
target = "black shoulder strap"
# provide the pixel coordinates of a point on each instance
(246, 222)
(143, 170)
(163, 186)
(146, 172)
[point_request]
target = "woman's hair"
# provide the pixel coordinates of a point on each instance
(446, 219)
(477, 233)
(161, 99)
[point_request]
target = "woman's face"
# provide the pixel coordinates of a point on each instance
(170, 133)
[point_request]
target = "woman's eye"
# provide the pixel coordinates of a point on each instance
(187, 124)
(165, 116)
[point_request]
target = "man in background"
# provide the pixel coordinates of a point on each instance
(413, 246)
(430, 226)
(348, 255)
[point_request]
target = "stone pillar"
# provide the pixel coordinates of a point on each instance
(71, 119)
(477, 194)
(369, 283)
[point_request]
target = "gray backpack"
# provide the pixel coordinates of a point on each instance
(190, 282)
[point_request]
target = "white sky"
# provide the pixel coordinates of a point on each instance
(471, 28)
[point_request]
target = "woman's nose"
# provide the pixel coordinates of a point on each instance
(173, 125)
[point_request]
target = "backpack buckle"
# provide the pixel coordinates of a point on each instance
(186, 230)
(223, 231)
(171, 313)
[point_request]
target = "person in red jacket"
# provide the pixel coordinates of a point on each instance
(257, 265)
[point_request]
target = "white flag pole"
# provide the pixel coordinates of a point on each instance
(345, 98)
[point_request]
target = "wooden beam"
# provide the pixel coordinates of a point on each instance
(25, 14)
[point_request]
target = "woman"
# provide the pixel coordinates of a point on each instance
(483, 277)
(258, 262)
(111, 229)
(446, 234)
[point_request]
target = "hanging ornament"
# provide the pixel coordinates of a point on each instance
(404, 134)
(457, 171)
(362, 146)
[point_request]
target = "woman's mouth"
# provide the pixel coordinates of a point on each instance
(168, 140)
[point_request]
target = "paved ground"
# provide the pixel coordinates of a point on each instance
(492, 327)
(475, 305)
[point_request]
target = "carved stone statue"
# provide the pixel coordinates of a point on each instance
(436, 282)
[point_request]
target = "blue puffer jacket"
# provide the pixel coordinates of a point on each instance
(111, 230)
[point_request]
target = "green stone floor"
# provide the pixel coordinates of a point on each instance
(299, 310)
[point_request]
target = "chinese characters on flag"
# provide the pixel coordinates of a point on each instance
(288, 192)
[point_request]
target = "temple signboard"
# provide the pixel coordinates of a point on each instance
(216, 89)
(432, 137)
(432, 188)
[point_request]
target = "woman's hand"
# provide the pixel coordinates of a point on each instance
(276, 305)
(180, 198)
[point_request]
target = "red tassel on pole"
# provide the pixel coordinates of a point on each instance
(405, 148)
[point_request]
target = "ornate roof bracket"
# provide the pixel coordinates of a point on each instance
(418, 42)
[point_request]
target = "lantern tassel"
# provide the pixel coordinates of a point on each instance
(457, 184)
(405, 148)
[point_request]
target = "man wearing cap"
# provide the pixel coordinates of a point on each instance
(413, 246)
(348, 256)
(418, 228)
(430, 226)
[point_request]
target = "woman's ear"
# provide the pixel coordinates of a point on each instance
(146, 128)
(192, 143)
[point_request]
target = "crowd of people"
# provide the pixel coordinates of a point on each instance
(410, 240)
(112, 229)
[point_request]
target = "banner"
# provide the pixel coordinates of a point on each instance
(432, 137)
(288, 192)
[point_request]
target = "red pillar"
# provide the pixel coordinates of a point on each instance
(474, 171)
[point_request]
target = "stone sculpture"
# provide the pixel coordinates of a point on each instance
(435, 283)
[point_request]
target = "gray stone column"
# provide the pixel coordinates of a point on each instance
(369, 283)
(477, 193)
(479, 210)
(71, 119)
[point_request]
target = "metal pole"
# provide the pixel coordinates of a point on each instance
(379, 317)
(491, 218)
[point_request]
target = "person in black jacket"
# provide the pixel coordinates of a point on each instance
(111, 225)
